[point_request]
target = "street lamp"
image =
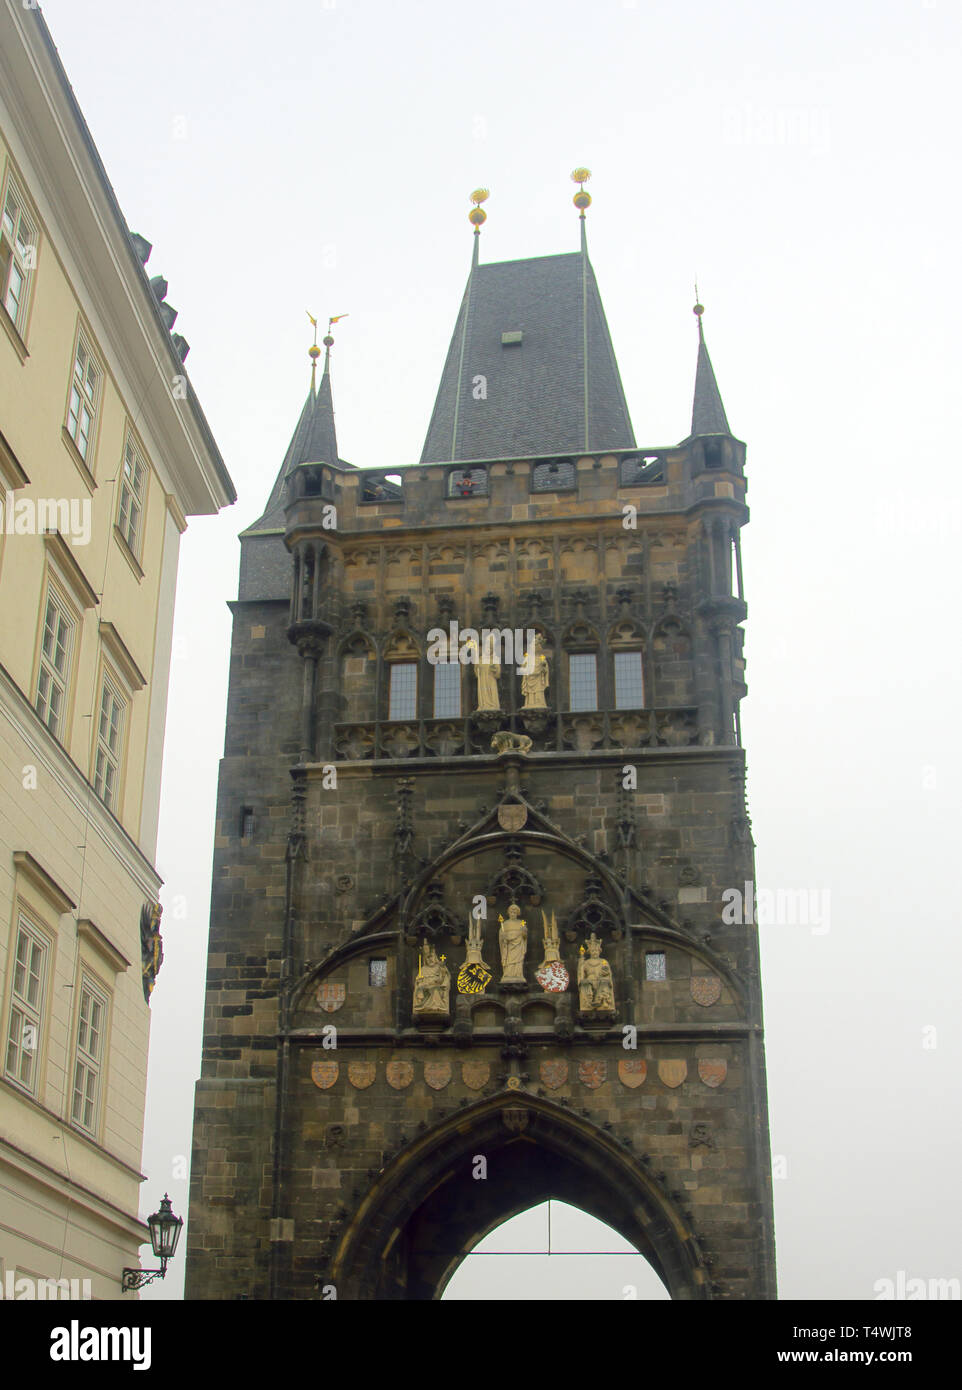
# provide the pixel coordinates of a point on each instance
(165, 1229)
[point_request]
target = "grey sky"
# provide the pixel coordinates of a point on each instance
(801, 160)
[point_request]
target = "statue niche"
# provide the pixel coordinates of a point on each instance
(432, 987)
(596, 987)
(513, 940)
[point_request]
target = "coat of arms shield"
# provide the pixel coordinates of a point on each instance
(705, 989)
(593, 1074)
(360, 1074)
(552, 977)
(632, 1071)
(330, 996)
(437, 1074)
(554, 1073)
(475, 1074)
(712, 1070)
(399, 1074)
(512, 816)
(672, 1071)
(324, 1074)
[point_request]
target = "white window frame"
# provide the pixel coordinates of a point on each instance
(18, 235)
(48, 675)
(132, 504)
(89, 1049)
(82, 399)
(25, 1012)
(109, 759)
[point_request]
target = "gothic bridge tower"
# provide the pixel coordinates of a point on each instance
(476, 909)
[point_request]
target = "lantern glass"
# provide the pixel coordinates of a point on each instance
(165, 1229)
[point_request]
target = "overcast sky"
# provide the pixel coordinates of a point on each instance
(802, 161)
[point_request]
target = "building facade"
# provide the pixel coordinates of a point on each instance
(468, 947)
(104, 451)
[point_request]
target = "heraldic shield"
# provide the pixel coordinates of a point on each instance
(437, 1074)
(712, 1070)
(360, 1074)
(554, 1073)
(593, 1074)
(672, 1071)
(330, 996)
(475, 1074)
(632, 1071)
(399, 1074)
(324, 1074)
(705, 989)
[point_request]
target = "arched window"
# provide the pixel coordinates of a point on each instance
(553, 476)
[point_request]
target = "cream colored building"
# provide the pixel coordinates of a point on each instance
(104, 451)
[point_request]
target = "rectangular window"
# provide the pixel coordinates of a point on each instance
(18, 253)
(447, 690)
(26, 1007)
(132, 485)
(54, 674)
(110, 732)
(404, 690)
(84, 396)
(629, 691)
(89, 1061)
(583, 680)
(655, 965)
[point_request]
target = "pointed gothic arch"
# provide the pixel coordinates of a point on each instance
(426, 1209)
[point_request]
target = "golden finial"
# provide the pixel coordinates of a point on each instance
(581, 200)
(313, 352)
(477, 216)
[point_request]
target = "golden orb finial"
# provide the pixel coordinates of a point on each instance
(581, 200)
(477, 216)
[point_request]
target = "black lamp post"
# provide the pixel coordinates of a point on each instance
(165, 1229)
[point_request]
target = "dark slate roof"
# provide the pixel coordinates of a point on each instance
(535, 400)
(314, 441)
(707, 412)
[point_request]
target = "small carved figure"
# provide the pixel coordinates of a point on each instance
(534, 684)
(151, 945)
(513, 940)
(487, 672)
(596, 988)
(433, 984)
(506, 742)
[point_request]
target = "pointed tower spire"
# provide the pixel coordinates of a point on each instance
(314, 439)
(707, 412)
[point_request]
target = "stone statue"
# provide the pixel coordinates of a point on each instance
(432, 986)
(513, 939)
(504, 741)
(551, 938)
(487, 673)
(535, 683)
(596, 988)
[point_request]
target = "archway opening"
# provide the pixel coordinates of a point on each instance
(554, 1250)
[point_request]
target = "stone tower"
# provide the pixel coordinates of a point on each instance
(473, 909)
